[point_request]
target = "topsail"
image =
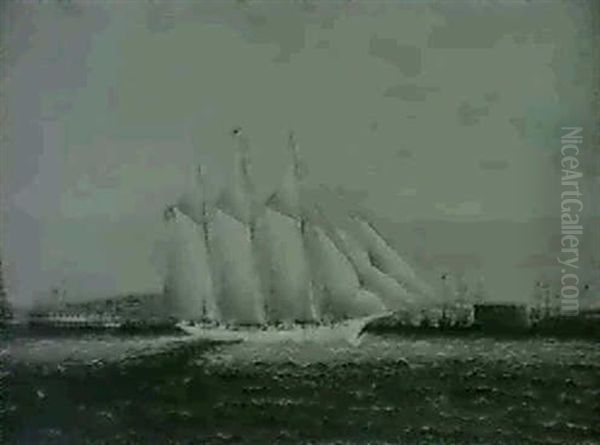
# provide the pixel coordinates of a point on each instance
(238, 198)
(287, 199)
(240, 295)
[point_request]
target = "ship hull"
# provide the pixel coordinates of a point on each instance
(348, 331)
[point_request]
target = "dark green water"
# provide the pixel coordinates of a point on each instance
(387, 390)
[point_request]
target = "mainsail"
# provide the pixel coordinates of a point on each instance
(240, 297)
(194, 204)
(288, 283)
(188, 276)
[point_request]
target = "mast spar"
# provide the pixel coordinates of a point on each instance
(201, 176)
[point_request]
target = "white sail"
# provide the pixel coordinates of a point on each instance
(237, 199)
(194, 204)
(287, 199)
(393, 294)
(240, 297)
(365, 303)
(389, 261)
(188, 280)
(289, 295)
(232, 247)
(245, 263)
(340, 293)
(288, 285)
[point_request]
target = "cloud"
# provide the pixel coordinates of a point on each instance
(405, 153)
(407, 58)
(465, 208)
(407, 192)
(469, 115)
(493, 164)
(480, 25)
(538, 260)
(409, 92)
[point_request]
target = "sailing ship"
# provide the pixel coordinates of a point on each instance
(270, 266)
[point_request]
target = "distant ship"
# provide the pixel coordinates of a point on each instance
(242, 264)
(5, 312)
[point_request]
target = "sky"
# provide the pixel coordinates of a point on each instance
(434, 112)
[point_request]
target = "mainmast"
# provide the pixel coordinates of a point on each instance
(233, 253)
(200, 176)
(201, 179)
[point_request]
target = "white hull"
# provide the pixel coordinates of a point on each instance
(348, 331)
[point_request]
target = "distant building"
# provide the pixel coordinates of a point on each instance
(145, 311)
(133, 307)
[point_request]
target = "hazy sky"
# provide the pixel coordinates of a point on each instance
(426, 110)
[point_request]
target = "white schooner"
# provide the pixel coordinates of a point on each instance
(267, 265)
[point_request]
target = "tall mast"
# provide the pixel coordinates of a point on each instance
(298, 174)
(243, 159)
(241, 193)
(232, 236)
(201, 176)
(287, 198)
(204, 225)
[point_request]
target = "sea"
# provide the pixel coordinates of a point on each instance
(382, 389)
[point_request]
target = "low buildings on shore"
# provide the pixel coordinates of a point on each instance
(128, 311)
